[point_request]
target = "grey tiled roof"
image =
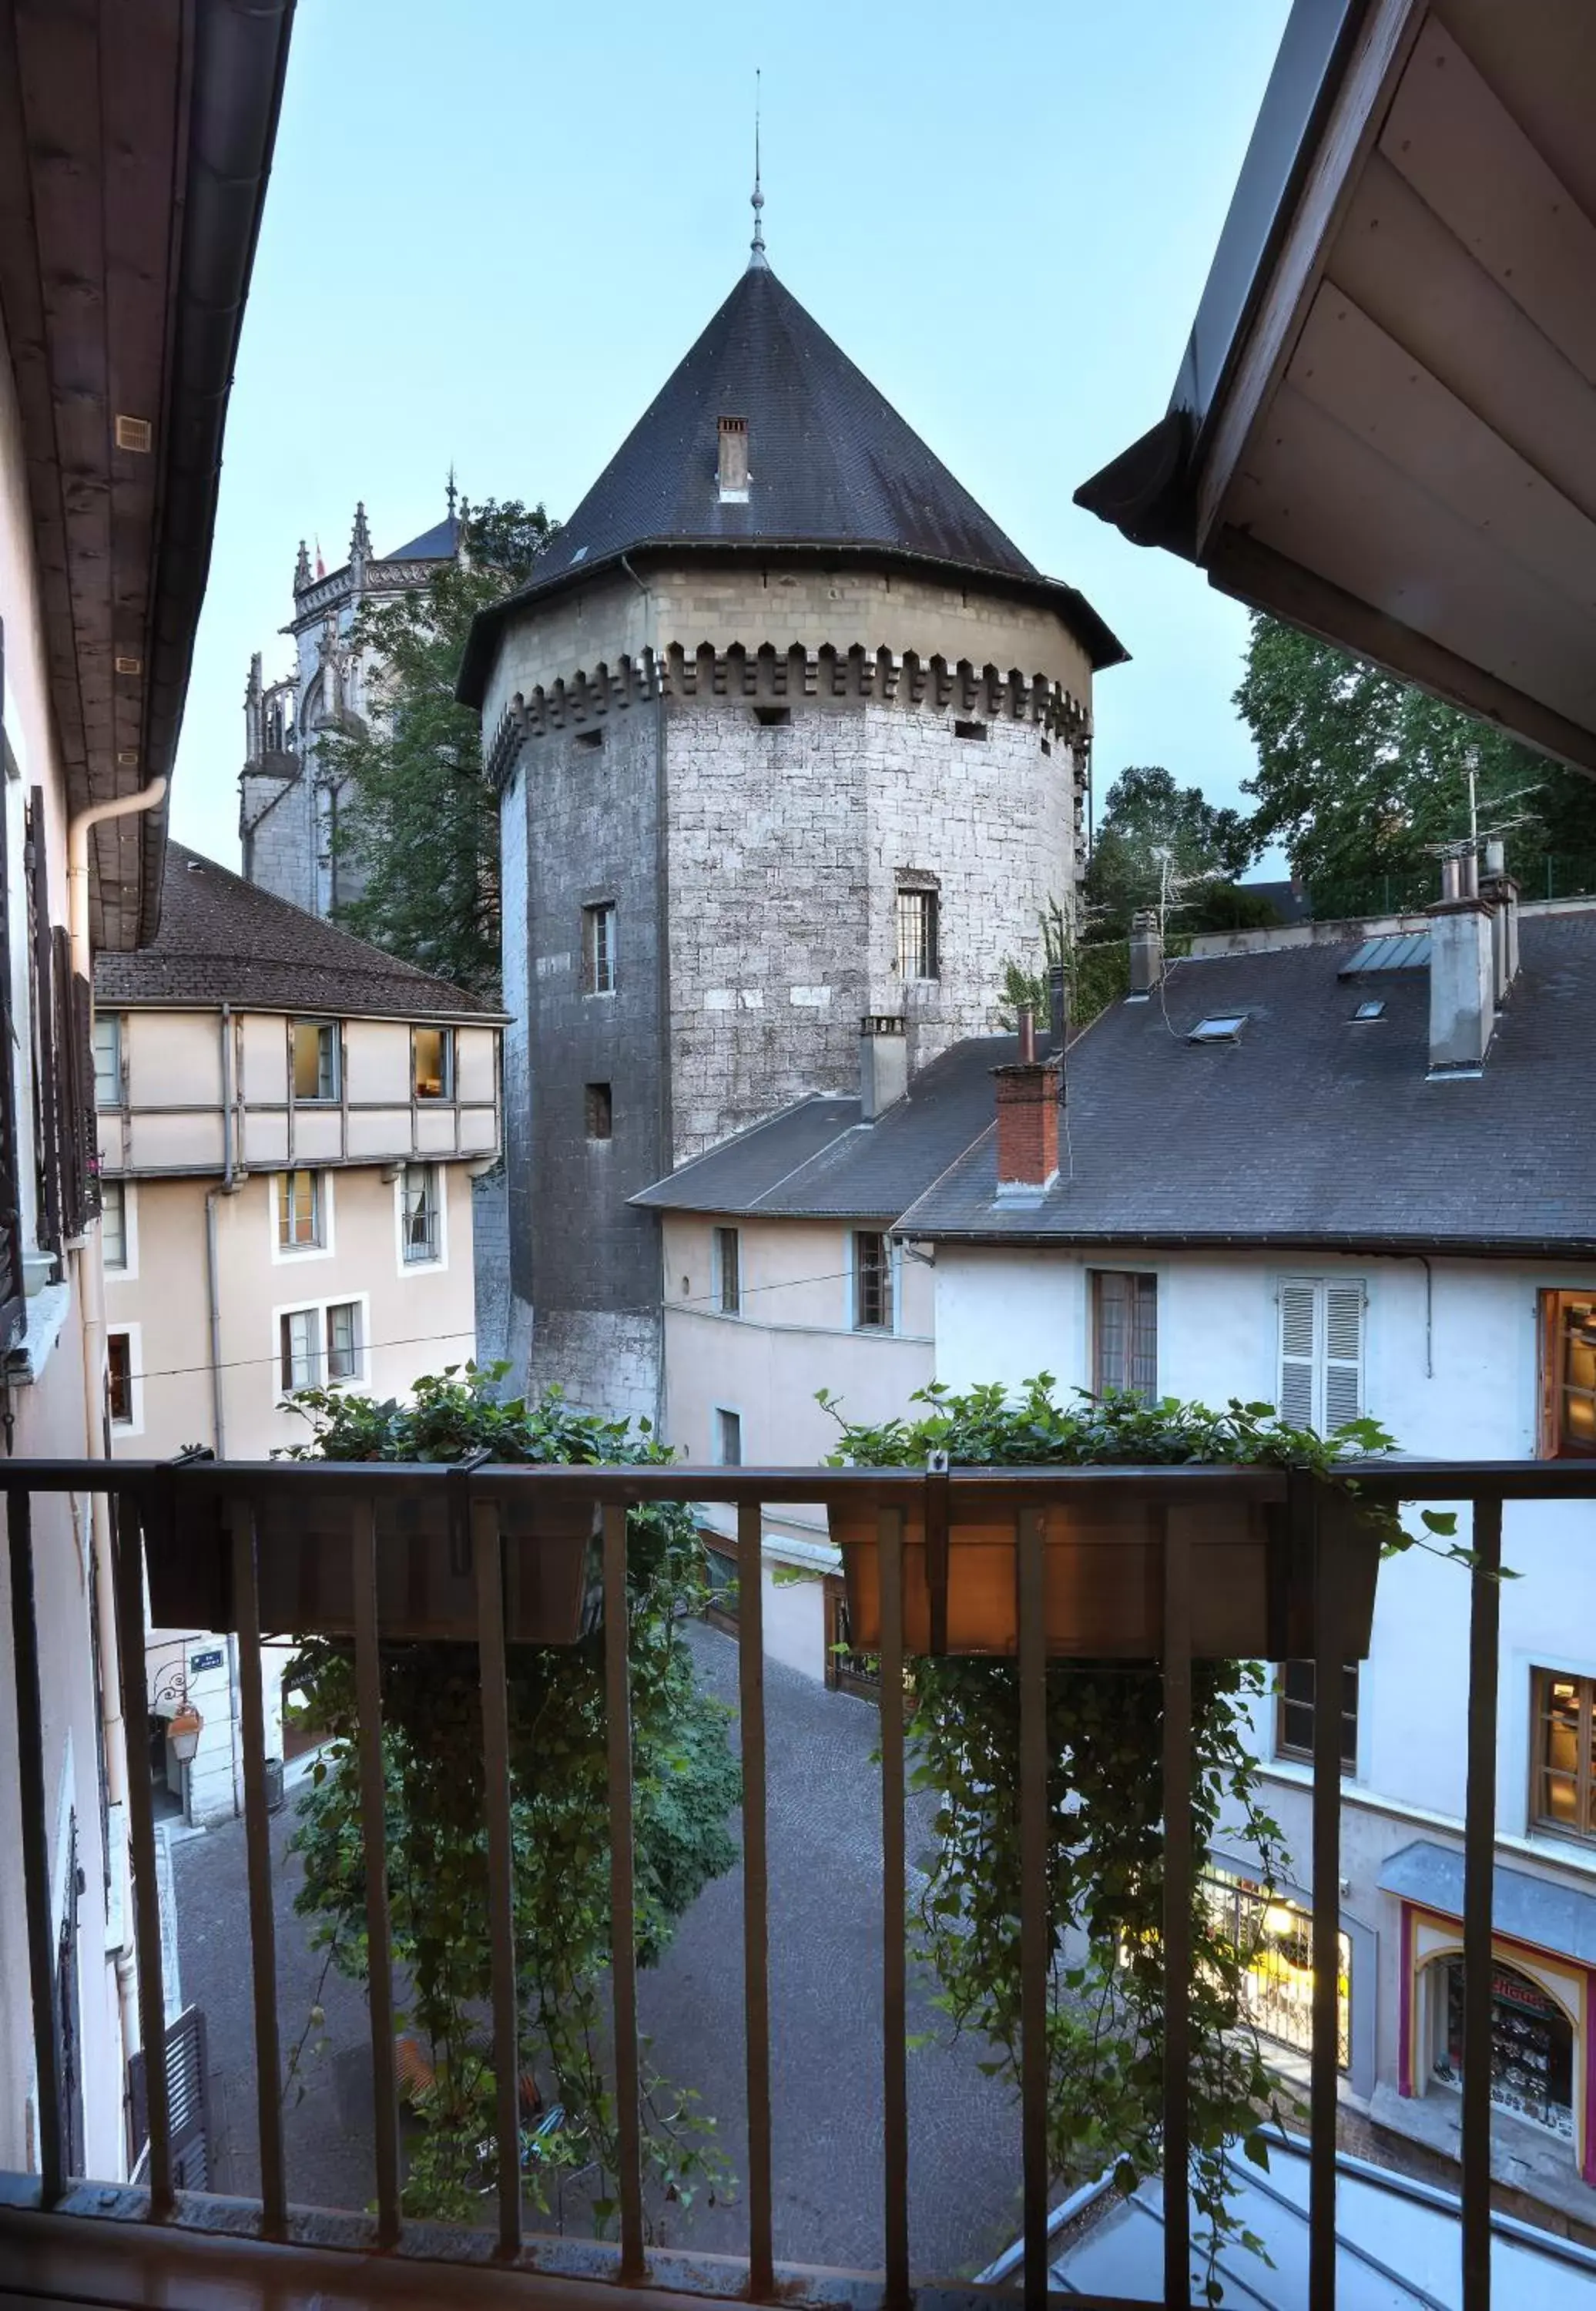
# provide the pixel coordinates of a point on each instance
(833, 465)
(1309, 1130)
(221, 940)
(817, 1160)
(434, 544)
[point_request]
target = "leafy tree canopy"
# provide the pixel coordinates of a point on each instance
(419, 822)
(1358, 772)
(1158, 840)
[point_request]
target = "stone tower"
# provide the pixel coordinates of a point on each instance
(786, 732)
(288, 805)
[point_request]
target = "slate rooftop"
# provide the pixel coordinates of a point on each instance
(1311, 1129)
(833, 468)
(221, 940)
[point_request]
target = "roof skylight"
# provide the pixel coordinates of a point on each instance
(1224, 1027)
(1374, 1009)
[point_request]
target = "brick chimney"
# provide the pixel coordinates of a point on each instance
(1147, 953)
(1463, 973)
(1027, 1118)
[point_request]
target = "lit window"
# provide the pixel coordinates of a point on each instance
(872, 1282)
(421, 1206)
(299, 1210)
(1273, 1940)
(1294, 1718)
(314, 1059)
(599, 1111)
(1225, 1027)
(108, 1060)
(728, 1439)
(433, 1062)
(918, 957)
(1567, 1375)
(1564, 1794)
(729, 1271)
(119, 1361)
(300, 1348)
(1125, 1333)
(113, 1224)
(598, 949)
(343, 1340)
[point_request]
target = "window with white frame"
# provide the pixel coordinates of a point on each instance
(300, 1348)
(343, 1340)
(118, 1363)
(301, 1211)
(113, 1224)
(729, 1271)
(872, 1281)
(315, 1044)
(1321, 1352)
(598, 949)
(420, 1207)
(108, 1059)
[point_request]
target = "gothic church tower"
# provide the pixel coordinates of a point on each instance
(786, 732)
(288, 801)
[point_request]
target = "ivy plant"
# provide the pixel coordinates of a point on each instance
(686, 1786)
(1105, 1841)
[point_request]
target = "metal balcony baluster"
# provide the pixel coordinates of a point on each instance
(488, 1556)
(258, 1849)
(1313, 1539)
(757, 1989)
(158, 1505)
(1480, 1833)
(623, 1897)
(894, 2077)
(368, 1688)
(1177, 1904)
(36, 1866)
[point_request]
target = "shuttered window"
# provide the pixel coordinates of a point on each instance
(1321, 1353)
(1125, 1333)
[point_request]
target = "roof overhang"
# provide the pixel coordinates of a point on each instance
(135, 144)
(1069, 605)
(1384, 427)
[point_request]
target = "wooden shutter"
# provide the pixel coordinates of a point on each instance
(1298, 1298)
(1343, 1353)
(188, 2084)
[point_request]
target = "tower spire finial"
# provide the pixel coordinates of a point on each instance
(756, 255)
(449, 490)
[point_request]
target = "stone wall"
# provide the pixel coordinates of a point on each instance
(277, 825)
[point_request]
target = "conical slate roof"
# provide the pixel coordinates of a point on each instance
(832, 465)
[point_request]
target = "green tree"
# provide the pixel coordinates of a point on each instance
(1156, 838)
(420, 823)
(686, 1784)
(1358, 772)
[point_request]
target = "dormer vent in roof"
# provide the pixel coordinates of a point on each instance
(734, 461)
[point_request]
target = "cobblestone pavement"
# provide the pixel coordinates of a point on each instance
(825, 1969)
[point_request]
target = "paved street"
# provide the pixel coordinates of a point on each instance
(825, 1955)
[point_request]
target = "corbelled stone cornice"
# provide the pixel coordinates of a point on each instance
(766, 675)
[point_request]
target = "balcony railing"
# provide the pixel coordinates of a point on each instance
(152, 1500)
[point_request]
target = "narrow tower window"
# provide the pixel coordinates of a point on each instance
(599, 1111)
(598, 949)
(917, 929)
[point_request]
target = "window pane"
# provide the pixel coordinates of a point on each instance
(108, 1060)
(343, 1340)
(917, 934)
(315, 1059)
(728, 1278)
(420, 1205)
(1112, 1332)
(872, 1281)
(299, 1209)
(598, 949)
(120, 1374)
(301, 1352)
(1296, 1710)
(431, 1049)
(113, 1224)
(1565, 1753)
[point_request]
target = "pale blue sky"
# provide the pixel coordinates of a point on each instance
(493, 229)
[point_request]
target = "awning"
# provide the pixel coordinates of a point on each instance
(1555, 1918)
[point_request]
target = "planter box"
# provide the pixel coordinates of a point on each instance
(1104, 1580)
(426, 1586)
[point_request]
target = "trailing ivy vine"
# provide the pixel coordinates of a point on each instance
(1106, 1836)
(686, 1786)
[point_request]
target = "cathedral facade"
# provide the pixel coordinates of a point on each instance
(787, 735)
(289, 799)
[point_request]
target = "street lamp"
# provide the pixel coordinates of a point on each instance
(184, 1725)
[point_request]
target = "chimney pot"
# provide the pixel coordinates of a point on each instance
(1495, 856)
(1452, 881)
(1027, 1026)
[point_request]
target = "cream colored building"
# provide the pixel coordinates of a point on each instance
(290, 1122)
(781, 1278)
